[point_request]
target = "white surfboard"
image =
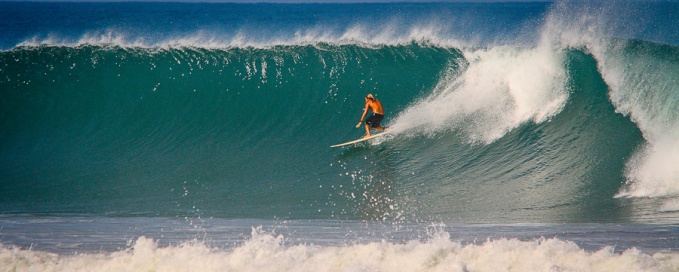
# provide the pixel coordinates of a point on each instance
(377, 135)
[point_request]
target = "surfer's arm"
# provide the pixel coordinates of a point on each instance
(365, 111)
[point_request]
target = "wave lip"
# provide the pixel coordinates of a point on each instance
(386, 35)
(261, 25)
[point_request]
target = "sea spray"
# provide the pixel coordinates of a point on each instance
(492, 92)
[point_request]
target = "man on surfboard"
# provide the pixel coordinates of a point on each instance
(371, 103)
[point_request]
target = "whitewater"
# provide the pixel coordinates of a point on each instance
(195, 137)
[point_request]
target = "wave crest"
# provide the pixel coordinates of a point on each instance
(389, 35)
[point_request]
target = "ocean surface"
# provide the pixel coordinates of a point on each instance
(196, 136)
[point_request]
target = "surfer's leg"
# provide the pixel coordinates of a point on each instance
(376, 120)
(370, 122)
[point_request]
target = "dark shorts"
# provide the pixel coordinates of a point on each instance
(374, 120)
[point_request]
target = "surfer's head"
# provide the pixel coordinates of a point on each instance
(370, 97)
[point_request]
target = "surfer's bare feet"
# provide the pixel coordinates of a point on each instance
(366, 136)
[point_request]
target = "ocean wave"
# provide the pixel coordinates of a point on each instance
(641, 77)
(567, 114)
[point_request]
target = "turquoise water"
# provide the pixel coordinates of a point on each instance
(200, 129)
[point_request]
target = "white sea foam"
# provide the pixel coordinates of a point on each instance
(653, 170)
(499, 89)
(644, 91)
(269, 252)
(671, 205)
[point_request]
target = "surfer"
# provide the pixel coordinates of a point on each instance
(371, 103)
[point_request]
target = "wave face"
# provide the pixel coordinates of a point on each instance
(217, 129)
(536, 115)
